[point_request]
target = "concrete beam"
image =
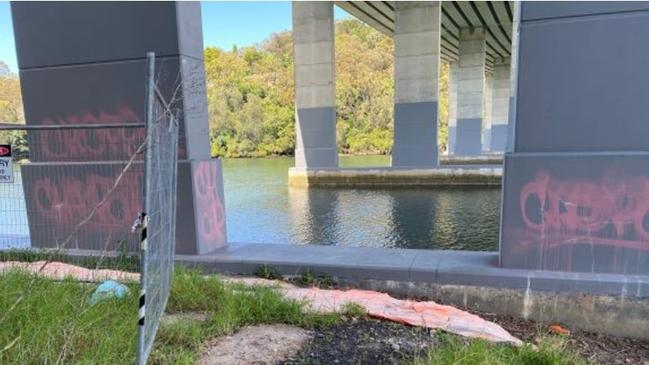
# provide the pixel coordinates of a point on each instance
(416, 72)
(315, 99)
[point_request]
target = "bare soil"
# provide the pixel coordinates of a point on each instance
(255, 345)
(364, 342)
(602, 349)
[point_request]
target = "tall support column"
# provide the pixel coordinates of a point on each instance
(452, 108)
(576, 183)
(416, 70)
(487, 113)
(500, 106)
(315, 99)
(470, 92)
(83, 63)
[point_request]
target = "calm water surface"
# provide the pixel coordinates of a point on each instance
(262, 208)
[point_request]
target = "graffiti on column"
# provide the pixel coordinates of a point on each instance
(88, 144)
(589, 208)
(210, 210)
(595, 219)
(59, 197)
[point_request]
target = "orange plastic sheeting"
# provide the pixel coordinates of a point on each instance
(423, 314)
(60, 271)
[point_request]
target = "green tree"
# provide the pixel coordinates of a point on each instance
(250, 94)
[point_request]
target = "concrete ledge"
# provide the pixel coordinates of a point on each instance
(495, 159)
(613, 304)
(385, 177)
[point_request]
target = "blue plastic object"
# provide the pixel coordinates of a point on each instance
(108, 289)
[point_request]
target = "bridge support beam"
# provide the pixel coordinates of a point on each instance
(315, 99)
(470, 92)
(576, 184)
(416, 72)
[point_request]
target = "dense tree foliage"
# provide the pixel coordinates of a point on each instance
(250, 95)
(11, 108)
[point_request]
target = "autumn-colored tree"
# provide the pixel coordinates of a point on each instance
(11, 107)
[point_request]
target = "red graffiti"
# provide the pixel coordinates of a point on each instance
(88, 144)
(210, 212)
(585, 207)
(67, 201)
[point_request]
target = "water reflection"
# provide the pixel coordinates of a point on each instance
(262, 208)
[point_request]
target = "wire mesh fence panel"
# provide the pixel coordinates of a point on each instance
(158, 217)
(74, 186)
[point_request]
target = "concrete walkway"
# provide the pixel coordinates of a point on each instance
(469, 268)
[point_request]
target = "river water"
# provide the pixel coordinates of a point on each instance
(262, 208)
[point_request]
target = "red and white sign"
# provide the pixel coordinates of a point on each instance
(6, 164)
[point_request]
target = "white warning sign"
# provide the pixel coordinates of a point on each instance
(6, 164)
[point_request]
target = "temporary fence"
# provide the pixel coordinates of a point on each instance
(158, 217)
(92, 187)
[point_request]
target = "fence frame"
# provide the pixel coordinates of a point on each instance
(144, 344)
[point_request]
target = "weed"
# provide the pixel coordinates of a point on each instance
(268, 272)
(354, 310)
(455, 350)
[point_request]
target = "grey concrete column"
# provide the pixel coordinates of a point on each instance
(452, 108)
(83, 62)
(576, 180)
(487, 113)
(470, 92)
(315, 99)
(416, 71)
(500, 106)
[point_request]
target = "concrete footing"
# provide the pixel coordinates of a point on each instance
(493, 159)
(386, 177)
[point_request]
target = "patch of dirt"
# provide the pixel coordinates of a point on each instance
(255, 345)
(364, 342)
(602, 349)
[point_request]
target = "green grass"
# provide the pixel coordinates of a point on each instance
(54, 324)
(552, 350)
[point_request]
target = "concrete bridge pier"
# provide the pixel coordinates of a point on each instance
(315, 98)
(487, 113)
(416, 75)
(499, 110)
(470, 92)
(83, 63)
(576, 184)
